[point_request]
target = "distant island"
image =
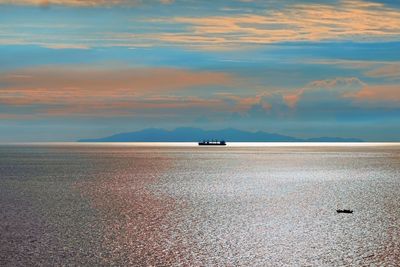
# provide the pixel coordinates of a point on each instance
(195, 135)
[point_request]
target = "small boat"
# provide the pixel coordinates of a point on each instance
(344, 211)
(212, 143)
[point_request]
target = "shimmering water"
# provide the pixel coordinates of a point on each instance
(135, 204)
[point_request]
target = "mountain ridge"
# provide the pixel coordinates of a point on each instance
(188, 134)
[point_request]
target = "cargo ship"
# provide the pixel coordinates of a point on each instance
(344, 211)
(212, 143)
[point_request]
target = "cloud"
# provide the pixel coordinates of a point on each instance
(384, 92)
(89, 91)
(325, 100)
(97, 89)
(66, 46)
(340, 87)
(240, 103)
(167, 2)
(291, 99)
(77, 3)
(349, 64)
(370, 68)
(344, 89)
(340, 82)
(45, 3)
(389, 70)
(348, 20)
(330, 94)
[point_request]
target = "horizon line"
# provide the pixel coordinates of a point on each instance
(190, 144)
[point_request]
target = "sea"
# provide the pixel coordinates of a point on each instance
(178, 204)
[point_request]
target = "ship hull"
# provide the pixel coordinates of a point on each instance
(203, 144)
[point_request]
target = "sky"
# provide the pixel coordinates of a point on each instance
(72, 69)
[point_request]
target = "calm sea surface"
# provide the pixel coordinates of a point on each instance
(162, 205)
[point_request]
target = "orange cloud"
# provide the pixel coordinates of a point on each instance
(386, 92)
(66, 46)
(48, 84)
(333, 83)
(291, 99)
(78, 3)
(349, 20)
(243, 103)
(79, 90)
(387, 71)
(61, 2)
(342, 86)
(347, 87)
(375, 69)
(354, 20)
(338, 88)
(166, 1)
